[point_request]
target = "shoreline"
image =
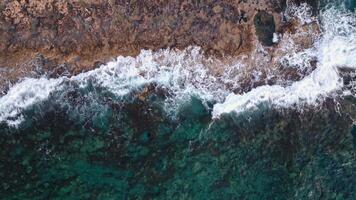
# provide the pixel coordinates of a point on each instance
(54, 35)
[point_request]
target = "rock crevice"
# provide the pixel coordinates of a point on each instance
(83, 33)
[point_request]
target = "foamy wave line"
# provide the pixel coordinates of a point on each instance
(185, 73)
(24, 94)
(336, 48)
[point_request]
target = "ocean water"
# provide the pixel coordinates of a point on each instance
(162, 125)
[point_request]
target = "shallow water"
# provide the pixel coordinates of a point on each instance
(160, 126)
(134, 151)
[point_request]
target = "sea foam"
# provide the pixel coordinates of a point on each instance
(186, 73)
(182, 73)
(23, 95)
(336, 48)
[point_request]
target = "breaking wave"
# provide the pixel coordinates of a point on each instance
(335, 49)
(181, 73)
(189, 73)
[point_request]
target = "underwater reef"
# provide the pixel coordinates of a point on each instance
(191, 99)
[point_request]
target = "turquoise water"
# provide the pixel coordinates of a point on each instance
(89, 143)
(96, 147)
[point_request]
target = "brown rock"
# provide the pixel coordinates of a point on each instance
(217, 9)
(97, 30)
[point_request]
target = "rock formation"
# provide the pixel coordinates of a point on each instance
(80, 34)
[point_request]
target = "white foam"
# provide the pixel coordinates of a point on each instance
(186, 73)
(23, 95)
(275, 38)
(181, 72)
(302, 13)
(337, 48)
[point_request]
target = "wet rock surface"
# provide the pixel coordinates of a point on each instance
(83, 33)
(86, 143)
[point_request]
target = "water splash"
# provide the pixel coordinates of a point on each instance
(23, 95)
(181, 73)
(189, 73)
(336, 48)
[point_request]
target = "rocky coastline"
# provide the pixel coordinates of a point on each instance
(60, 36)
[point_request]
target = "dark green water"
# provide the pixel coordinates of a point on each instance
(93, 146)
(86, 143)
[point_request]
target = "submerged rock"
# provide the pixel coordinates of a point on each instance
(127, 154)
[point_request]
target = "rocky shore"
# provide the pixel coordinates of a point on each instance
(61, 36)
